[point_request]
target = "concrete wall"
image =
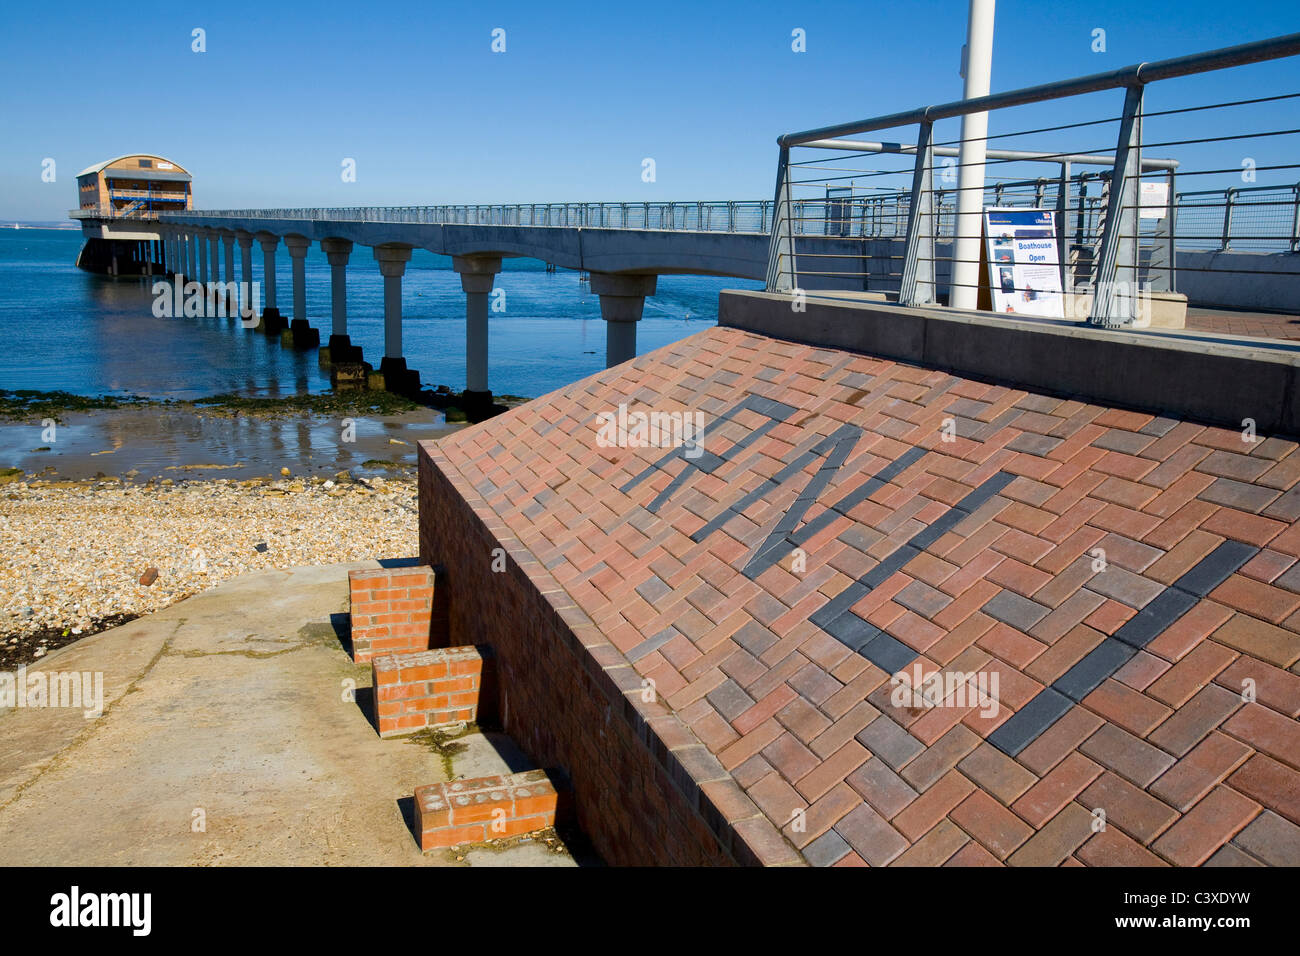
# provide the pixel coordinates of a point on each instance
(570, 706)
(1241, 280)
(1159, 372)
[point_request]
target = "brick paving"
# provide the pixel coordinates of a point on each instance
(1100, 608)
(1266, 325)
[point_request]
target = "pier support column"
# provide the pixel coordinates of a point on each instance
(214, 256)
(228, 241)
(476, 277)
(298, 246)
(272, 321)
(340, 348)
(231, 299)
(300, 334)
(191, 254)
(247, 301)
(622, 299)
(201, 241)
(392, 261)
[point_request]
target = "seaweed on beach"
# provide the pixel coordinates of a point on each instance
(326, 403)
(29, 404)
(22, 404)
(17, 649)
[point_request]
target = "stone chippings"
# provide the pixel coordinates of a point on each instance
(75, 551)
(1132, 582)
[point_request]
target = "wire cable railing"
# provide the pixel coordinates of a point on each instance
(847, 219)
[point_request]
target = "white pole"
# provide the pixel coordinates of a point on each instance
(978, 68)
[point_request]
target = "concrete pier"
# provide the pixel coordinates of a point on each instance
(247, 303)
(477, 274)
(622, 300)
(214, 255)
(201, 241)
(340, 349)
(300, 334)
(272, 321)
(392, 261)
(232, 296)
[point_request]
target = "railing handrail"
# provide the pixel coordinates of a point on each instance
(718, 215)
(1137, 74)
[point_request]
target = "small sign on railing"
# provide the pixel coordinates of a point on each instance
(1154, 203)
(1022, 262)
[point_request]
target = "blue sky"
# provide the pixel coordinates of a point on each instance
(584, 92)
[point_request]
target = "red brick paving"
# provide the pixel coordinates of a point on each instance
(1182, 748)
(1255, 324)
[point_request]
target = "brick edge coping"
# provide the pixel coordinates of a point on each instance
(1211, 381)
(741, 828)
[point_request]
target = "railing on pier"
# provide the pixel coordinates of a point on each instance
(1246, 218)
(135, 209)
(734, 216)
(1119, 229)
(1255, 218)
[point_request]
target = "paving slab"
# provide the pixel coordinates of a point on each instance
(231, 734)
(881, 523)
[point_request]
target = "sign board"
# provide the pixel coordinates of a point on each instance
(1024, 266)
(1155, 201)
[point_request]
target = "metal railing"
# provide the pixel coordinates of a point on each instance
(1243, 218)
(1119, 230)
(1246, 218)
(1261, 218)
(731, 216)
(131, 211)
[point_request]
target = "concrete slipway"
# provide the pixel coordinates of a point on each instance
(231, 703)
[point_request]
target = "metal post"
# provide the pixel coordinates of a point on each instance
(1119, 240)
(1080, 219)
(1295, 221)
(1062, 211)
(780, 257)
(977, 71)
(1228, 196)
(917, 287)
(1171, 220)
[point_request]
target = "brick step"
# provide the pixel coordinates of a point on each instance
(484, 808)
(433, 688)
(392, 610)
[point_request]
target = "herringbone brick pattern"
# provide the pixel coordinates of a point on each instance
(1130, 580)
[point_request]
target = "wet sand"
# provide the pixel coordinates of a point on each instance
(183, 442)
(194, 496)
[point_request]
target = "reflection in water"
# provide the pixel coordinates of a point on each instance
(156, 442)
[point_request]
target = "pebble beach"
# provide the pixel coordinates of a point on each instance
(76, 552)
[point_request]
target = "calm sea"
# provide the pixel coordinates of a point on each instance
(65, 329)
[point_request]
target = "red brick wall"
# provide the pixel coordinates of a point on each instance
(429, 688)
(484, 808)
(391, 610)
(645, 791)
